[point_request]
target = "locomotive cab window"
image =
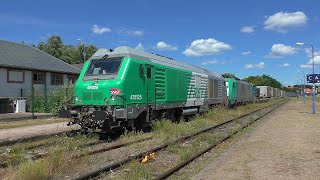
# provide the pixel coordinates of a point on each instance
(100, 67)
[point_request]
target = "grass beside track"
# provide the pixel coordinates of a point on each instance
(177, 153)
(163, 131)
(29, 122)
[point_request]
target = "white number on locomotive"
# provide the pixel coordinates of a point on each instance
(136, 97)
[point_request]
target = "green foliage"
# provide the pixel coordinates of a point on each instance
(264, 80)
(137, 171)
(89, 50)
(229, 75)
(34, 170)
(55, 99)
(68, 53)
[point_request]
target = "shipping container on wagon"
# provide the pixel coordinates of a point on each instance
(281, 93)
(278, 92)
(265, 91)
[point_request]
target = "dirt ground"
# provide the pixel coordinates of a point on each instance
(286, 145)
(30, 131)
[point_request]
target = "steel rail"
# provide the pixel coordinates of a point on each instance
(197, 155)
(96, 172)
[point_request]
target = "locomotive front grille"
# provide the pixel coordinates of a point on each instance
(88, 96)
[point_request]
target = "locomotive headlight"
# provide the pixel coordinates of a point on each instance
(76, 98)
(113, 98)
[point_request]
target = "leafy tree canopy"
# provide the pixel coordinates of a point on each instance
(264, 80)
(68, 53)
(229, 75)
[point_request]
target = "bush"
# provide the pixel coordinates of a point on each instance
(56, 99)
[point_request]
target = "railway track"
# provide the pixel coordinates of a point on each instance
(91, 152)
(115, 165)
(182, 164)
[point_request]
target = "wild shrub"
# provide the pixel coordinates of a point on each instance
(56, 99)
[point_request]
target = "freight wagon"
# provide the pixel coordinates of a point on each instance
(130, 88)
(265, 92)
(278, 93)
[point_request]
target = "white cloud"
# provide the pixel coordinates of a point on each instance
(213, 62)
(285, 65)
(97, 30)
(283, 21)
(140, 47)
(203, 47)
(316, 60)
(250, 66)
(260, 65)
(246, 53)
(247, 29)
(137, 33)
(281, 50)
(306, 66)
(309, 53)
(130, 32)
(164, 46)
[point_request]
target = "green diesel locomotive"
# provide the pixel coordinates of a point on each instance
(239, 92)
(128, 88)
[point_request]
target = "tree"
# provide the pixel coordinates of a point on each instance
(229, 75)
(264, 80)
(68, 53)
(89, 51)
(54, 46)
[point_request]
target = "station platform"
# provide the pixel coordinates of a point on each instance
(23, 116)
(283, 145)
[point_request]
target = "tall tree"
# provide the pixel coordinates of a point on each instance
(54, 46)
(70, 55)
(86, 51)
(90, 50)
(264, 80)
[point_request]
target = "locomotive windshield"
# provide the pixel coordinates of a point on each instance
(102, 67)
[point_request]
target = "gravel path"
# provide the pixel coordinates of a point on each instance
(30, 131)
(286, 145)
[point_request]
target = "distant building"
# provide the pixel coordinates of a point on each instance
(23, 66)
(308, 91)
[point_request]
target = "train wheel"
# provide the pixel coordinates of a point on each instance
(235, 105)
(140, 122)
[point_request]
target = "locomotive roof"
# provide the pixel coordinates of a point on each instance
(130, 52)
(238, 81)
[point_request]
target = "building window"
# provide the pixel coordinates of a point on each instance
(56, 79)
(15, 76)
(72, 79)
(39, 77)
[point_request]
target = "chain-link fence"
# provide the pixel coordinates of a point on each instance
(44, 100)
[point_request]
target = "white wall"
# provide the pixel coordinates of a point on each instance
(13, 89)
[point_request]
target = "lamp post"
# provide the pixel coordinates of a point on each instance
(313, 85)
(84, 50)
(304, 86)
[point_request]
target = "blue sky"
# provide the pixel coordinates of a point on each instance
(246, 37)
